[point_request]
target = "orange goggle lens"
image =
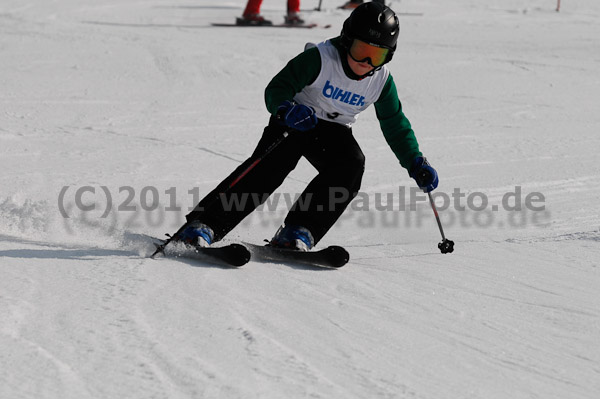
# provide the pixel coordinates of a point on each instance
(361, 52)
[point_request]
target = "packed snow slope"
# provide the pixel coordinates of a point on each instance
(143, 106)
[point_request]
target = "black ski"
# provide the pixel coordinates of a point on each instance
(233, 254)
(239, 254)
(332, 257)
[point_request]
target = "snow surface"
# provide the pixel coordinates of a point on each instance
(127, 97)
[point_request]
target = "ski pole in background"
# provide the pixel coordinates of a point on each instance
(319, 6)
(446, 245)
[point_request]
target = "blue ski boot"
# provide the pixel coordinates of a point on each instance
(196, 234)
(293, 237)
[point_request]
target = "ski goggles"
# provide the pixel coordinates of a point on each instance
(361, 52)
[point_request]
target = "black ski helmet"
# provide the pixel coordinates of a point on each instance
(373, 23)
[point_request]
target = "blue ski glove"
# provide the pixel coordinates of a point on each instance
(297, 116)
(425, 176)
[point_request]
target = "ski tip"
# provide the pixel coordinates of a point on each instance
(338, 256)
(240, 255)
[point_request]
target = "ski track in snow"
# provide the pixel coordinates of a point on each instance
(138, 94)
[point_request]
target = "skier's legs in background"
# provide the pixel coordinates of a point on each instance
(293, 6)
(251, 15)
(293, 13)
(252, 7)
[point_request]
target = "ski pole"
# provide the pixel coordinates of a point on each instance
(319, 6)
(160, 248)
(446, 245)
(256, 161)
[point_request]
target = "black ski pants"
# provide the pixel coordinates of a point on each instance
(329, 147)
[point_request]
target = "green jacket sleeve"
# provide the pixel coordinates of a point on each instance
(301, 71)
(395, 126)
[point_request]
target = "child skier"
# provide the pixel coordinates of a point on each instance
(314, 101)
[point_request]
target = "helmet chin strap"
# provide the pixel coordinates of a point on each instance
(371, 72)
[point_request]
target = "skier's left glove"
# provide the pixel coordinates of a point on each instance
(297, 116)
(425, 176)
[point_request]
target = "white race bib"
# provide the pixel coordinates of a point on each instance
(334, 96)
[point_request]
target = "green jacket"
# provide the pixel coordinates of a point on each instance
(304, 69)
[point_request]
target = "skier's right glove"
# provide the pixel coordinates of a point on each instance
(425, 176)
(297, 116)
